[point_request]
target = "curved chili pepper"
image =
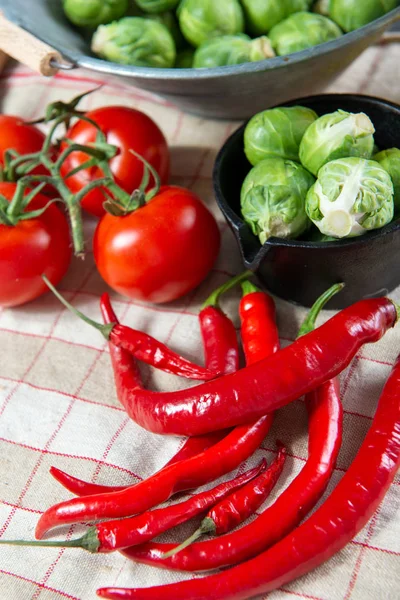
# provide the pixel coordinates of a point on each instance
(238, 506)
(261, 388)
(325, 435)
(211, 464)
(345, 512)
(226, 455)
(115, 535)
(221, 354)
(269, 384)
(143, 346)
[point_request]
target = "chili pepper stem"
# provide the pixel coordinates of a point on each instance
(309, 322)
(213, 299)
(248, 287)
(89, 541)
(207, 526)
(104, 329)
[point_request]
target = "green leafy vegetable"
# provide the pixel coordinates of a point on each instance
(232, 50)
(201, 20)
(302, 30)
(277, 133)
(351, 196)
(352, 14)
(135, 41)
(157, 6)
(273, 198)
(390, 161)
(92, 13)
(336, 135)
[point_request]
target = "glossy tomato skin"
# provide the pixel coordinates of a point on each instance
(161, 251)
(17, 135)
(126, 128)
(31, 248)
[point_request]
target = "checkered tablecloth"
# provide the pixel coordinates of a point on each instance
(57, 400)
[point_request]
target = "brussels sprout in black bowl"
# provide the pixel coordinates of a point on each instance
(299, 270)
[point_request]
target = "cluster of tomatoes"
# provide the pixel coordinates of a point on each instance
(155, 253)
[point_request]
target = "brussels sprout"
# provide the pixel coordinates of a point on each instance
(157, 6)
(232, 50)
(135, 41)
(262, 15)
(302, 30)
(171, 23)
(336, 135)
(350, 197)
(273, 198)
(277, 133)
(201, 20)
(184, 59)
(390, 161)
(92, 13)
(352, 14)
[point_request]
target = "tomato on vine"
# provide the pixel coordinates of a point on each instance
(34, 240)
(126, 128)
(160, 251)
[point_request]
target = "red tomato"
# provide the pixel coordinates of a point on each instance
(31, 248)
(160, 251)
(17, 135)
(128, 129)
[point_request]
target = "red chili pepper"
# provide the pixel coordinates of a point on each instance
(269, 384)
(238, 506)
(345, 512)
(115, 535)
(258, 328)
(325, 436)
(144, 347)
(214, 462)
(221, 354)
(263, 387)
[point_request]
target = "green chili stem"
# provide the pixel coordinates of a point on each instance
(104, 329)
(89, 541)
(249, 288)
(309, 322)
(207, 527)
(213, 299)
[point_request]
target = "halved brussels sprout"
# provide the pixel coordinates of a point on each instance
(92, 13)
(336, 135)
(302, 30)
(352, 14)
(135, 41)
(232, 50)
(390, 161)
(184, 59)
(350, 197)
(157, 6)
(277, 132)
(273, 199)
(171, 23)
(201, 20)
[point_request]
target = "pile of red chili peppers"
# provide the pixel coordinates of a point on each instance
(227, 418)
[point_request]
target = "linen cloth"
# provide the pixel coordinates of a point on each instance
(57, 399)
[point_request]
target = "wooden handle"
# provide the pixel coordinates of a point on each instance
(27, 49)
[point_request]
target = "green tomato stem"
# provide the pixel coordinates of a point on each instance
(309, 322)
(213, 299)
(104, 329)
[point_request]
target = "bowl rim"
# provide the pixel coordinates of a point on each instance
(237, 223)
(103, 66)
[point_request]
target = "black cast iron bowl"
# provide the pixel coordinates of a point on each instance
(299, 271)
